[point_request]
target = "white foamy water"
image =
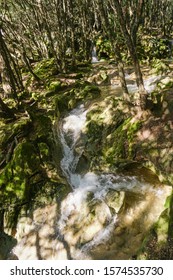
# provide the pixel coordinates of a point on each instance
(149, 84)
(70, 132)
(94, 58)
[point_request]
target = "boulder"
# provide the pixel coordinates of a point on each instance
(7, 244)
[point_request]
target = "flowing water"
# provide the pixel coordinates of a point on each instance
(94, 57)
(149, 84)
(105, 216)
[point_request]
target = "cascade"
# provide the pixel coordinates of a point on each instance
(91, 215)
(94, 58)
(149, 84)
(105, 216)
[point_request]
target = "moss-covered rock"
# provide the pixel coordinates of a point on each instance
(80, 91)
(42, 127)
(158, 242)
(110, 134)
(115, 200)
(45, 68)
(162, 227)
(115, 146)
(7, 243)
(29, 176)
(54, 86)
(19, 174)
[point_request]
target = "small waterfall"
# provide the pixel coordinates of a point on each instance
(70, 132)
(94, 58)
(149, 84)
(105, 216)
(89, 215)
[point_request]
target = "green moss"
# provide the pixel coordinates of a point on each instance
(9, 130)
(44, 151)
(115, 145)
(158, 242)
(162, 227)
(131, 131)
(120, 143)
(23, 164)
(42, 125)
(24, 183)
(54, 86)
(81, 91)
(45, 68)
(110, 137)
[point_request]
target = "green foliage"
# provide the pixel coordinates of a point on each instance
(104, 48)
(152, 48)
(159, 67)
(54, 86)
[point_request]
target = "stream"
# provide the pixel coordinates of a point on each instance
(105, 216)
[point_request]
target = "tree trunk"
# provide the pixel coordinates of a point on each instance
(9, 70)
(121, 72)
(116, 49)
(132, 50)
(2, 220)
(25, 58)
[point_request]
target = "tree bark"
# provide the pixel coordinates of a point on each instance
(132, 50)
(25, 58)
(116, 49)
(9, 69)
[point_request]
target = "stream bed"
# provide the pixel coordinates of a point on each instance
(105, 216)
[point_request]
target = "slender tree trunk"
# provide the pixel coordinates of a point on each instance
(29, 67)
(116, 50)
(121, 72)
(123, 81)
(2, 220)
(133, 54)
(9, 69)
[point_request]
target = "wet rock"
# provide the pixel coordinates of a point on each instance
(115, 200)
(7, 244)
(72, 97)
(166, 82)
